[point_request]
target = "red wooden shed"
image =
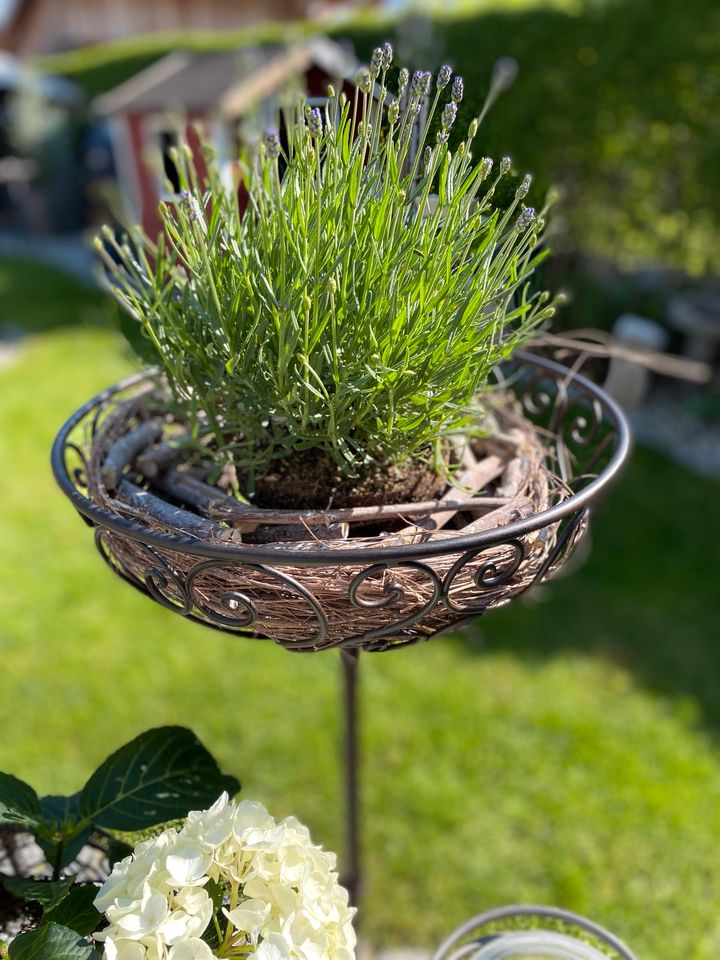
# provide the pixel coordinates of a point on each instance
(231, 96)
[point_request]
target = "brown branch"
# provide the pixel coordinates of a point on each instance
(184, 486)
(314, 518)
(146, 504)
(124, 450)
(158, 458)
(598, 343)
(294, 532)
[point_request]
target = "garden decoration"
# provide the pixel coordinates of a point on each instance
(339, 445)
(522, 932)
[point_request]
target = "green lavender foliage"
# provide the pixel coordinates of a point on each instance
(346, 309)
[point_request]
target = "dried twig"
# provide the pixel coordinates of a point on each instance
(599, 343)
(268, 533)
(144, 503)
(390, 511)
(155, 459)
(124, 450)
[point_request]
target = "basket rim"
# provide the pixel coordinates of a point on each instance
(275, 556)
(532, 911)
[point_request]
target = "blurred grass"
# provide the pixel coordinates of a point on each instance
(562, 750)
(617, 102)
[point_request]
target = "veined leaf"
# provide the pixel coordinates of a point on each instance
(46, 892)
(76, 910)
(158, 776)
(18, 801)
(51, 942)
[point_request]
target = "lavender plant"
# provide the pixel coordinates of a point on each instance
(358, 304)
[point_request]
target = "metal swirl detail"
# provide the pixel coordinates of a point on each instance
(79, 473)
(491, 574)
(248, 613)
(159, 578)
(394, 593)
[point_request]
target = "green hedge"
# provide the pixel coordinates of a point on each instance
(620, 106)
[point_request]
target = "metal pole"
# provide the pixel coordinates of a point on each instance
(353, 874)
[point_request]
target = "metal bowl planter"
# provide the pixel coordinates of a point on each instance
(521, 932)
(363, 594)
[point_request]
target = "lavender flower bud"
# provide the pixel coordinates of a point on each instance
(486, 165)
(272, 143)
(420, 84)
(376, 62)
(387, 53)
(458, 89)
(443, 77)
(525, 219)
(473, 128)
(403, 81)
(394, 111)
(522, 190)
(505, 165)
(363, 80)
(447, 118)
(314, 121)
(188, 204)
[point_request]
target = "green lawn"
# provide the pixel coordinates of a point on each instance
(563, 750)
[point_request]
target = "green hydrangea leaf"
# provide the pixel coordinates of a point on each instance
(18, 801)
(51, 942)
(159, 776)
(46, 892)
(76, 910)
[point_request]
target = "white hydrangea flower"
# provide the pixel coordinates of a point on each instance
(188, 863)
(282, 899)
(124, 950)
(273, 947)
(193, 949)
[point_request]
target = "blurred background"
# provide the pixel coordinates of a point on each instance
(569, 752)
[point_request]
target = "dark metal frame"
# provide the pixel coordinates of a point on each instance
(467, 938)
(586, 427)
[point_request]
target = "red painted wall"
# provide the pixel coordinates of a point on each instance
(146, 153)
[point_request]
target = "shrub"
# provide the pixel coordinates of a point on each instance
(360, 302)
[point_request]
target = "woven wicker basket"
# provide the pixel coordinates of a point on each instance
(405, 578)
